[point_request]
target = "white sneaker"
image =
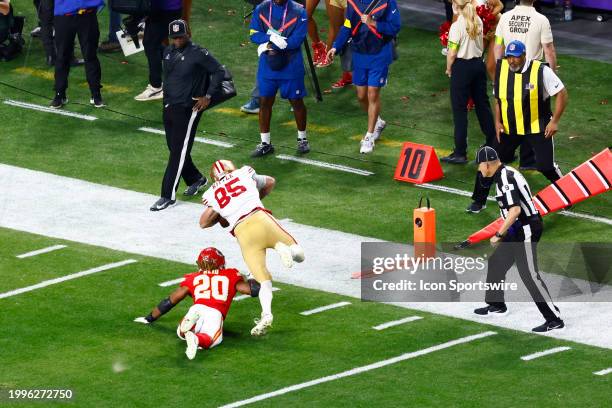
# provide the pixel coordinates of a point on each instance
(380, 126)
(189, 320)
(192, 345)
(261, 325)
(150, 94)
(367, 144)
(297, 253)
(286, 256)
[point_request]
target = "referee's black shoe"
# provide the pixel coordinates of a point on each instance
(550, 325)
(263, 149)
(162, 204)
(454, 158)
(475, 208)
(196, 187)
(491, 310)
(59, 100)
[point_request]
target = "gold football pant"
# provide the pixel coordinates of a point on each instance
(256, 233)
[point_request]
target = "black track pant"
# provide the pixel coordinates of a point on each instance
(156, 31)
(469, 78)
(181, 124)
(519, 247)
(85, 26)
(545, 160)
(44, 9)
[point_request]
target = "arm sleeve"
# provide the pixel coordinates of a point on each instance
(296, 38)
(499, 34)
(454, 37)
(258, 31)
(343, 35)
(552, 83)
(510, 193)
(546, 35)
(391, 23)
(210, 66)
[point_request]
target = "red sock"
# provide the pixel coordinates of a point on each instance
(204, 340)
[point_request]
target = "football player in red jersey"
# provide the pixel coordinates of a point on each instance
(212, 288)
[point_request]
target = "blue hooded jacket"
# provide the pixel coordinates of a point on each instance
(63, 7)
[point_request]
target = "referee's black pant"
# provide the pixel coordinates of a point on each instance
(156, 31)
(180, 123)
(85, 26)
(544, 154)
(519, 246)
(469, 78)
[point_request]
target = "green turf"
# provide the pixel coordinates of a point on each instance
(72, 334)
(416, 104)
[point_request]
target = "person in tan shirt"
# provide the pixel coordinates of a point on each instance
(468, 77)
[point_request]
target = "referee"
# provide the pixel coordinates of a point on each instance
(516, 241)
(191, 76)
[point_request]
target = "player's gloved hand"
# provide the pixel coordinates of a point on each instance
(141, 320)
(262, 48)
(279, 41)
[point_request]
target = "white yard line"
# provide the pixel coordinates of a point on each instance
(360, 370)
(66, 278)
(565, 213)
(325, 165)
(47, 109)
(242, 297)
(197, 139)
(124, 223)
(396, 322)
(324, 308)
(604, 372)
(544, 353)
(41, 251)
(171, 282)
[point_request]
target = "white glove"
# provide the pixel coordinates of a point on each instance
(262, 48)
(279, 41)
(141, 320)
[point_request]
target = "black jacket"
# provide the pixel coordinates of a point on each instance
(190, 73)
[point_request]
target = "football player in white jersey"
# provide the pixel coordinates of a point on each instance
(234, 201)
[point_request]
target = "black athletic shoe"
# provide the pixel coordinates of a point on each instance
(96, 100)
(59, 101)
(262, 149)
(556, 324)
(302, 146)
(491, 310)
(196, 187)
(454, 159)
(162, 204)
(475, 208)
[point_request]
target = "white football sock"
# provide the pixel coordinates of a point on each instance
(301, 134)
(265, 137)
(265, 297)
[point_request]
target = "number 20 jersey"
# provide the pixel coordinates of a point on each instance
(214, 289)
(234, 196)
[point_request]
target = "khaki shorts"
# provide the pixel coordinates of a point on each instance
(338, 3)
(256, 233)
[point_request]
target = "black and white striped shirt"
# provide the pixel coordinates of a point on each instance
(511, 189)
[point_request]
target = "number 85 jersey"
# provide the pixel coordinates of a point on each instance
(214, 289)
(234, 196)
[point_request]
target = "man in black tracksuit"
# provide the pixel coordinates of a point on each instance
(191, 77)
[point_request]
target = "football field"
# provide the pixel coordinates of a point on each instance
(81, 255)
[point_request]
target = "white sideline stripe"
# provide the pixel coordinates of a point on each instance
(544, 353)
(603, 372)
(197, 139)
(41, 108)
(242, 297)
(66, 278)
(601, 220)
(396, 322)
(362, 369)
(41, 251)
(171, 282)
(325, 165)
(324, 308)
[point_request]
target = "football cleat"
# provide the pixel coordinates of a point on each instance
(221, 168)
(252, 106)
(210, 259)
(261, 325)
(367, 145)
(262, 149)
(556, 324)
(378, 129)
(150, 94)
(286, 256)
(492, 310)
(192, 345)
(303, 146)
(475, 208)
(189, 320)
(196, 187)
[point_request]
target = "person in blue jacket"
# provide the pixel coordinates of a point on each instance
(279, 28)
(371, 25)
(77, 18)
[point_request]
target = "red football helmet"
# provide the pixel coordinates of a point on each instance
(220, 168)
(211, 258)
